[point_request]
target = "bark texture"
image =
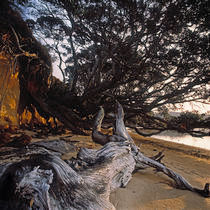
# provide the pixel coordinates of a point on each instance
(36, 177)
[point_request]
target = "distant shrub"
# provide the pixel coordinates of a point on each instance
(191, 116)
(187, 120)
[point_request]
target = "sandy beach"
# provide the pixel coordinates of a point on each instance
(148, 190)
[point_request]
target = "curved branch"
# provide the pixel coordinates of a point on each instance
(38, 178)
(120, 128)
(181, 183)
(143, 161)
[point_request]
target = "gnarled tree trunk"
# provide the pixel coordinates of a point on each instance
(37, 178)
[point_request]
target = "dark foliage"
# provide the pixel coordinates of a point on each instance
(145, 54)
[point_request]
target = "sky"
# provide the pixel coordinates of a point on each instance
(56, 72)
(190, 106)
(201, 108)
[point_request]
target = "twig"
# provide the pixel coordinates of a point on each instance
(27, 54)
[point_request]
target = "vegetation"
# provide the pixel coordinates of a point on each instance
(145, 54)
(187, 121)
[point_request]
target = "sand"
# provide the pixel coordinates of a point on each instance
(148, 191)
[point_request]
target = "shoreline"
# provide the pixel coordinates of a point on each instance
(186, 149)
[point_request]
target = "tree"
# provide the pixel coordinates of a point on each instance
(36, 177)
(145, 54)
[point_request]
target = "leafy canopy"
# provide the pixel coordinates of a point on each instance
(145, 54)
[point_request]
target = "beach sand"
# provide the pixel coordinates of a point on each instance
(148, 190)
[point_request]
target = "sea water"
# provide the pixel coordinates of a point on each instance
(184, 138)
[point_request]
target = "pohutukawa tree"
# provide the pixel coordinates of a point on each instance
(145, 54)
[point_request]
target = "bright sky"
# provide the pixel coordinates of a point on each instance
(56, 72)
(201, 108)
(188, 106)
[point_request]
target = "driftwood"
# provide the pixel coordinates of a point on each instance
(35, 177)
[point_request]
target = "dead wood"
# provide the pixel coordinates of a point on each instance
(36, 177)
(141, 160)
